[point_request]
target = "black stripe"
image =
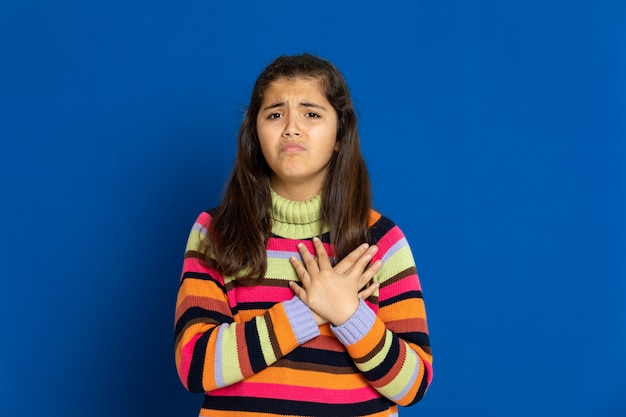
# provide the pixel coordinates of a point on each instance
(400, 297)
(255, 305)
(419, 338)
(194, 379)
(291, 407)
(202, 276)
(380, 229)
(321, 357)
(390, 360)
(195, 313)
(421, 390)
(255, 354)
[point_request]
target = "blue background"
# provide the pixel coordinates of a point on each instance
(495, 136)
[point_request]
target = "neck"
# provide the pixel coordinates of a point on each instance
(296, 191)
(296, 219)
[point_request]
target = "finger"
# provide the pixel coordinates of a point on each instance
(300, 270)
(298, 290)
(346, 263)
(369, 291)
(369, 273)
(361, 264)
(309, 261)
(322, 257)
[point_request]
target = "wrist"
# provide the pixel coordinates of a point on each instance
(357, 326)
(345, 312)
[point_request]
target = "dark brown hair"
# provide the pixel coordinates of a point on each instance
(241, 225)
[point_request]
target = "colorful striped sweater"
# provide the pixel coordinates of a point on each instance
(257, 351)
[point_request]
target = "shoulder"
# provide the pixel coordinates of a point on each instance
(380, 226)
(393, 248)
(204, 220)
(200, 229)
(385, 233)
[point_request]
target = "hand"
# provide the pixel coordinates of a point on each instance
(332, 293)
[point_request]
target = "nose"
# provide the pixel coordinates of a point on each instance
(291, 127)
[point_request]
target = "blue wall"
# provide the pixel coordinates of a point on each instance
(495, 135)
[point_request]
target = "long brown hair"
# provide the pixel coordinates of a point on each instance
(241, 225)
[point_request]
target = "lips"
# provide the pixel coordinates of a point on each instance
(291, 147)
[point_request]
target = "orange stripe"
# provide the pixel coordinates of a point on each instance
(247, 315)
(280, 323)
(373, 218)
(405, 309)
(208, 372)
(364, 347)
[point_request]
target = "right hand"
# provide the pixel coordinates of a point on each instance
(328, 290)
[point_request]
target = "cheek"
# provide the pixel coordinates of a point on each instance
(264, 138)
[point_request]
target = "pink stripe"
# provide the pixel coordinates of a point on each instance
(429, 369)
(194, 265)
(390, 239)
(298, 393)
(204, 219)
(259, 293)
(288, 245)
(185, 362)
(373, 307)
(409, 283)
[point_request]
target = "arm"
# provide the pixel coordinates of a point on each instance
(212, 348)
(392, 348)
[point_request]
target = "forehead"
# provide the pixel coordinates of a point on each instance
(283, 88)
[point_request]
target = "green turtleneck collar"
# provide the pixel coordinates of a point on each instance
(295, 219)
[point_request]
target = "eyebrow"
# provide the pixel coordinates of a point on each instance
(303, 104)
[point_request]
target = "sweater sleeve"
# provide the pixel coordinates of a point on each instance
(213, 349)
(392, 348)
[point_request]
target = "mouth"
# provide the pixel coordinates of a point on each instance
(291, 147)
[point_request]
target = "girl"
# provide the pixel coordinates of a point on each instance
(296, 297)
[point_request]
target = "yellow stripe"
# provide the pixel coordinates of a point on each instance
(404, 376)
(264, 338)
(280, 269)
(231, 369)
(396, 263)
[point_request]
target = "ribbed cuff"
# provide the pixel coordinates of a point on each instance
(357, 326)
(301, 319)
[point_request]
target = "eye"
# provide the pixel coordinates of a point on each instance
(274, 116)
(312, 115)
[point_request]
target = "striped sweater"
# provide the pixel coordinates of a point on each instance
(257, 351)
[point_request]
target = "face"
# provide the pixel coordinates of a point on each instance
(297, 129)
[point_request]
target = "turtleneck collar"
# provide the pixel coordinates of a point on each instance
(295, 219)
